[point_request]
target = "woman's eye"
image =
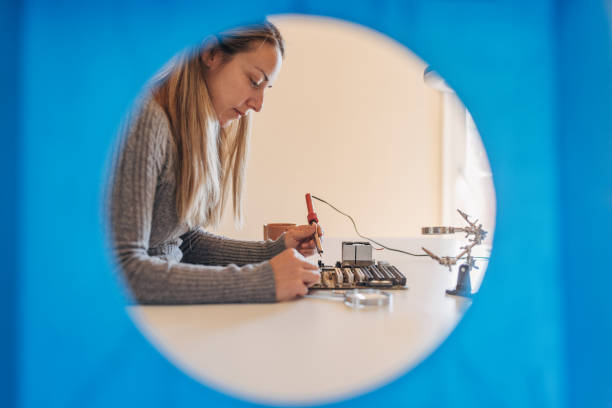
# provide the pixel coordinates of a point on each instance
(254, 84)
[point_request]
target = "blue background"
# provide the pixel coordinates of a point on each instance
(536, 77)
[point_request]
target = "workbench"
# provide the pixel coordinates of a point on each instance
(312, 350)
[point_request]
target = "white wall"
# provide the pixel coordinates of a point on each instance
(351, 120)
(467, 181)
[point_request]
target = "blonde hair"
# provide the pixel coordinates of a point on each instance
(210, 158)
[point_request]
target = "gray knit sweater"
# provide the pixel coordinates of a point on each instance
(163, 261)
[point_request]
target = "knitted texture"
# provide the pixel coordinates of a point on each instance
(162, 260)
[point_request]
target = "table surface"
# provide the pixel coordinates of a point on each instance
(314, 350)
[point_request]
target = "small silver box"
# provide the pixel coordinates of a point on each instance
(363, 252)
(357, 254)
(348, 252)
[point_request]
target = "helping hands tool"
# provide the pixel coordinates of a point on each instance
(475, 235)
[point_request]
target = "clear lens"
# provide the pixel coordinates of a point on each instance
(360, 298)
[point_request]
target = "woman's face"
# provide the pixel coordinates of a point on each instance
(237, 86)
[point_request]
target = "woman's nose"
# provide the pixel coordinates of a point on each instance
(256, 102)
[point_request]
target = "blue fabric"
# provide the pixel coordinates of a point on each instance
(9, 203)
(536, 78)
(585, 153)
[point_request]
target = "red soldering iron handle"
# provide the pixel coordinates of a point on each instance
(312, 216)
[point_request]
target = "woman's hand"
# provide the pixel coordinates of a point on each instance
(302, 238)
(293, 274)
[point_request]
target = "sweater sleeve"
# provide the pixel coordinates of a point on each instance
(156, 280)
(200, 247)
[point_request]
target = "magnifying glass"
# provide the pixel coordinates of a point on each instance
(359, 298)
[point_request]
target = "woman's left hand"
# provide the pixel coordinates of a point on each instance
(302, 238)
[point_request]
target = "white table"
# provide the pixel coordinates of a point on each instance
(313, 350)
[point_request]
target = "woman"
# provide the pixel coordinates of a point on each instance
(184, 150)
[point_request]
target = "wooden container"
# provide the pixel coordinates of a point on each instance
(274, 230)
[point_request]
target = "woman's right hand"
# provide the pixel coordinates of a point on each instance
(293, 274)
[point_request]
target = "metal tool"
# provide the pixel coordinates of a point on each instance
(475, 234)
(312, 218)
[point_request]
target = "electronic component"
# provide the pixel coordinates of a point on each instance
(379, 275)
(357, 254)
(358, 270)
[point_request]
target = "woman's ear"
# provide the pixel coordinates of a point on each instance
(210, 55)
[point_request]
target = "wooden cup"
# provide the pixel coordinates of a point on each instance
(274, 230)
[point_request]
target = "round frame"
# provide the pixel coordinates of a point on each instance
(537, 81)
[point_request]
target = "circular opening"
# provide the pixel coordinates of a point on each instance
(357, 120)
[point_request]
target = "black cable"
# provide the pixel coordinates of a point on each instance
(362, 236)
(370, 239)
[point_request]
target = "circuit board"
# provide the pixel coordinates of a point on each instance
(347, 276)
(358, 270)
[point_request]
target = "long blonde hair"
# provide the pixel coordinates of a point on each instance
(210, 158)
